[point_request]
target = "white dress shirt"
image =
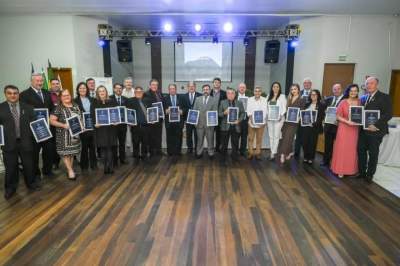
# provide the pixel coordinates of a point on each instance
(257, 105)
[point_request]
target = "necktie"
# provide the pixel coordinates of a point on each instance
(173, 100)
(191, 98)
(119, 100)
(15, 115)
(40, 95)
(205, 100)
(143, 109)
(334, 101)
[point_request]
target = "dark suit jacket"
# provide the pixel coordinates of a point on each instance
(222, 95)
(30, 97)
(26, 115)
(179, 102)
(380, 101)
(133, 103)
(224, 126)
(78, 102)
(106, 136)
(329, 128)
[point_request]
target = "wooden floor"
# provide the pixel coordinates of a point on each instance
(202, 212)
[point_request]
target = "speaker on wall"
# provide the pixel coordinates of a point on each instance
(124, 48)
(272, 51)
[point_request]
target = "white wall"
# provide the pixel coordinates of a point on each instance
(368, 41)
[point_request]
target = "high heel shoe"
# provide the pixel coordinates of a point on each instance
(282, 159)
(72, 176)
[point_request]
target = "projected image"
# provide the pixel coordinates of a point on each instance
(202, 61)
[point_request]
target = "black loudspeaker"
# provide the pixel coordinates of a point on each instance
(124, 48)
(272, 51)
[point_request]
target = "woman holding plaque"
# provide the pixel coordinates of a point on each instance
(310, 133)
(344, 158)
(106, 135)
(88, 151)
(67, 146)
(275, 101)
(289, 129)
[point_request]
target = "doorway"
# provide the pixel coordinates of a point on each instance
(65, 76)
(395, 91)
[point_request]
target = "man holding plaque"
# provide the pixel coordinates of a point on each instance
(203, 104)
(174, 108)
(36, 97)
(218, 94)
(15, 117)
(331, 129)
(190, 98)
(231, 112)
(371, 137)
(119, 100)
(243, 96)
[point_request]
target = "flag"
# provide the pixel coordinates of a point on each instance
(58, 77)
(45, 81)
(32, 69)
(50, 73)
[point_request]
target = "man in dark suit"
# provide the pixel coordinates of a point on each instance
(174, 129)
(140, 132)
(55, 89)
(119, 100)
(243, 95)
(36, 97)
(15, 117)
(189, 99)
(218, 95)
(154, 95)
(330, 129)
(371, 138)
(228, 130)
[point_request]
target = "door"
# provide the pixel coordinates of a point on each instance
(334, 73)
(65, 76)
(395, 91)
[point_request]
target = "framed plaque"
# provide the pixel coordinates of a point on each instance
(42, 113)
(233, 115)
(75, 125)
(306, 118)
(160, 107)
(212, 118)
(371, 117)
(244, 101)
(131, 117)
(174, 114)
(314, 115)
(115, 115)
(40, 130)
(330, 116)
(292, 114)
(122, 114)
(192, 117)
(1, 135)
(87, 121)
(356, 114)
(102, 116)
(152, 115)
(258, 117)
(274, 112)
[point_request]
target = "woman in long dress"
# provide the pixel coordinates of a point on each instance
(344, 159)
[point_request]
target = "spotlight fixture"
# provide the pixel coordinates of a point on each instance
(101, 43)
(167, 27)
(228, 27)
(197, 27)
(179, 40)
(294, 44)
(147, 40)
(215, 39)
(246, 40)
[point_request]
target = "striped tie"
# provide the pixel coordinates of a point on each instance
(15, 115)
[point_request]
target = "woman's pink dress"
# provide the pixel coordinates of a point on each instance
(344, 158)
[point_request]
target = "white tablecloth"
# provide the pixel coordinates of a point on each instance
(389, 151)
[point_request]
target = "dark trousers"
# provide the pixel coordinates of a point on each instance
(244, 126)
(119, 153)
(190, 134)
(217, 137)
(88, 151)
(156, 138)
(233, 136)
(328, 147)
(310, 138)
(56, 157)
(47, 148)
(368, 152)
(174, 138)
(298, 144)
(10, 159)
(140, 140)
(108, 158)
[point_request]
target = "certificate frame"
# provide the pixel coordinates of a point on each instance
(160, 107)
(209, 123)
(302, 122)
(73, 119)
(113, 113)
(365, 122)
(190, 116)
(39, 111)
(229, 118)
(256, 113)
(46, 126)
(102, 123)
(177, 119)
(131, 112)
(277, 112)
(2, 135)
(292, 110)
(122, 114)
(330, 116)
(151, 110)
(86, 115)
(361, 109)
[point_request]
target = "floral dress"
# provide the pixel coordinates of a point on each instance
(65, 143)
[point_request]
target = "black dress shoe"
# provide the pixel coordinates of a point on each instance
(360, 176)
(49, 175)
(9, 194)
(122, 162)
(211, 157)
(369, 179)
(199, 156)
(190, 151)
(34, 187)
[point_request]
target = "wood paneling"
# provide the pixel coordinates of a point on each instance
(65, 75)
(395, 92)
(202, 212)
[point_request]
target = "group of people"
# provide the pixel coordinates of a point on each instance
(349, 150)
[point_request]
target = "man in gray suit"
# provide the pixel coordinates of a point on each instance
(230, 129)
(203, 104)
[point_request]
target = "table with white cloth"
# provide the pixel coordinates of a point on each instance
(389, 151)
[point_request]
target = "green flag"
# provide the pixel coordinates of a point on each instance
(45, 81)
(50, 73)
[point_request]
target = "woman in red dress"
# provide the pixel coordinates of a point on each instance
(344, 159)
